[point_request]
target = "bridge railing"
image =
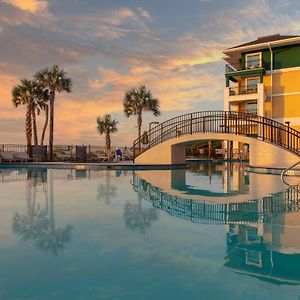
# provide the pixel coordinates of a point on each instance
(239, 123)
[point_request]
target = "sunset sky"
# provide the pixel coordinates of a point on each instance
(108, 46)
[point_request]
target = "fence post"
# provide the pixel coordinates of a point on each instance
(191, 125)
(263, 131)
(225, 122)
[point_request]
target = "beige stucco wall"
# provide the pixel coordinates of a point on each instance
(262, 154)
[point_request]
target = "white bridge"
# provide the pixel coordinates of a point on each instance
(271, 144)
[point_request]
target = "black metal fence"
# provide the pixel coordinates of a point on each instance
(70, 152)
(238, 123)
(243, 89)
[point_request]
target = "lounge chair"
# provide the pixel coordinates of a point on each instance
(127, 154)
(62, 156)
(7, 156)
(23, 156)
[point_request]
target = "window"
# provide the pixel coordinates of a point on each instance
(253, 258)
(253, 81)
(253, 60)
(251, 107)
(252, 84)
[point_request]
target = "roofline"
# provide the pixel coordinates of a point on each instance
(262, 45)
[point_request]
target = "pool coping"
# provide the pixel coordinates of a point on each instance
(89, 166)
(272, 171)
(126, 165)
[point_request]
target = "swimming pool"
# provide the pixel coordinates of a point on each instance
(212, 231)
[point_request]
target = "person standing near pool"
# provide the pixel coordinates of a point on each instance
(118, 154)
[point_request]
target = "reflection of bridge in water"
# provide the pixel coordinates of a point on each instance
(252, 211)
(262, 234)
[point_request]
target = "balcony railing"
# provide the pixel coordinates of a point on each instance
(249, 65)
(243, 90)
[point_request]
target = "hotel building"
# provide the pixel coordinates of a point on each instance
(263, 77)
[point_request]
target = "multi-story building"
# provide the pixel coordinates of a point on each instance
(263, 77)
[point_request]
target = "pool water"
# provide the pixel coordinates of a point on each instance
(212, 231)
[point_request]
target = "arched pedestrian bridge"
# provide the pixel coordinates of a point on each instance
(271, 144)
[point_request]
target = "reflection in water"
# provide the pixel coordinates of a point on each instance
(262, 234)
(107, 191)
(262, 228)
(139, 218)
(253, 250)
(256, 210)
(38, 225)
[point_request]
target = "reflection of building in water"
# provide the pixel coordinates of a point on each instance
(270, 251)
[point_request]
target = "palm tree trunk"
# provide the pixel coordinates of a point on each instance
(139, 124)
(28, 126)
(107, 140)
(45, 125)
(35, 135)
(51, 125)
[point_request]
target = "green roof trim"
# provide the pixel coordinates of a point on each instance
(244, 73)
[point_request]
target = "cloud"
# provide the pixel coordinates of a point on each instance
(108, 48)
(32, 6)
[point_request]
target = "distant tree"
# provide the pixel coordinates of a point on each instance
(55, 80)
(138, 100)
(106, 125)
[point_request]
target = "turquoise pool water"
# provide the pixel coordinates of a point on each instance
(209, 232)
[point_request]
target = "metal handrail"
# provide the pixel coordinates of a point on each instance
(243, 89)
(238, 123)
(286, 170)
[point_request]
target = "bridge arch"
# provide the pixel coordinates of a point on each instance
(271, 144)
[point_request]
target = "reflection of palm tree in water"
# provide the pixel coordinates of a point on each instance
(139, 218)
(106, 190)
(39, 224)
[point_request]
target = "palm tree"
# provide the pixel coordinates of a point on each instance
(55, 80)
(138, 100)
(40, 103)
(106, 125)
(45, 107)
(27, 93)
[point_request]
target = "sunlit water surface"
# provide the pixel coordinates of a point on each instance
(172, 234)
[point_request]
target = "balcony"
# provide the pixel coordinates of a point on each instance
(243, 90)
(245, 66)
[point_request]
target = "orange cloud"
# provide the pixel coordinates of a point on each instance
(32, 6)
